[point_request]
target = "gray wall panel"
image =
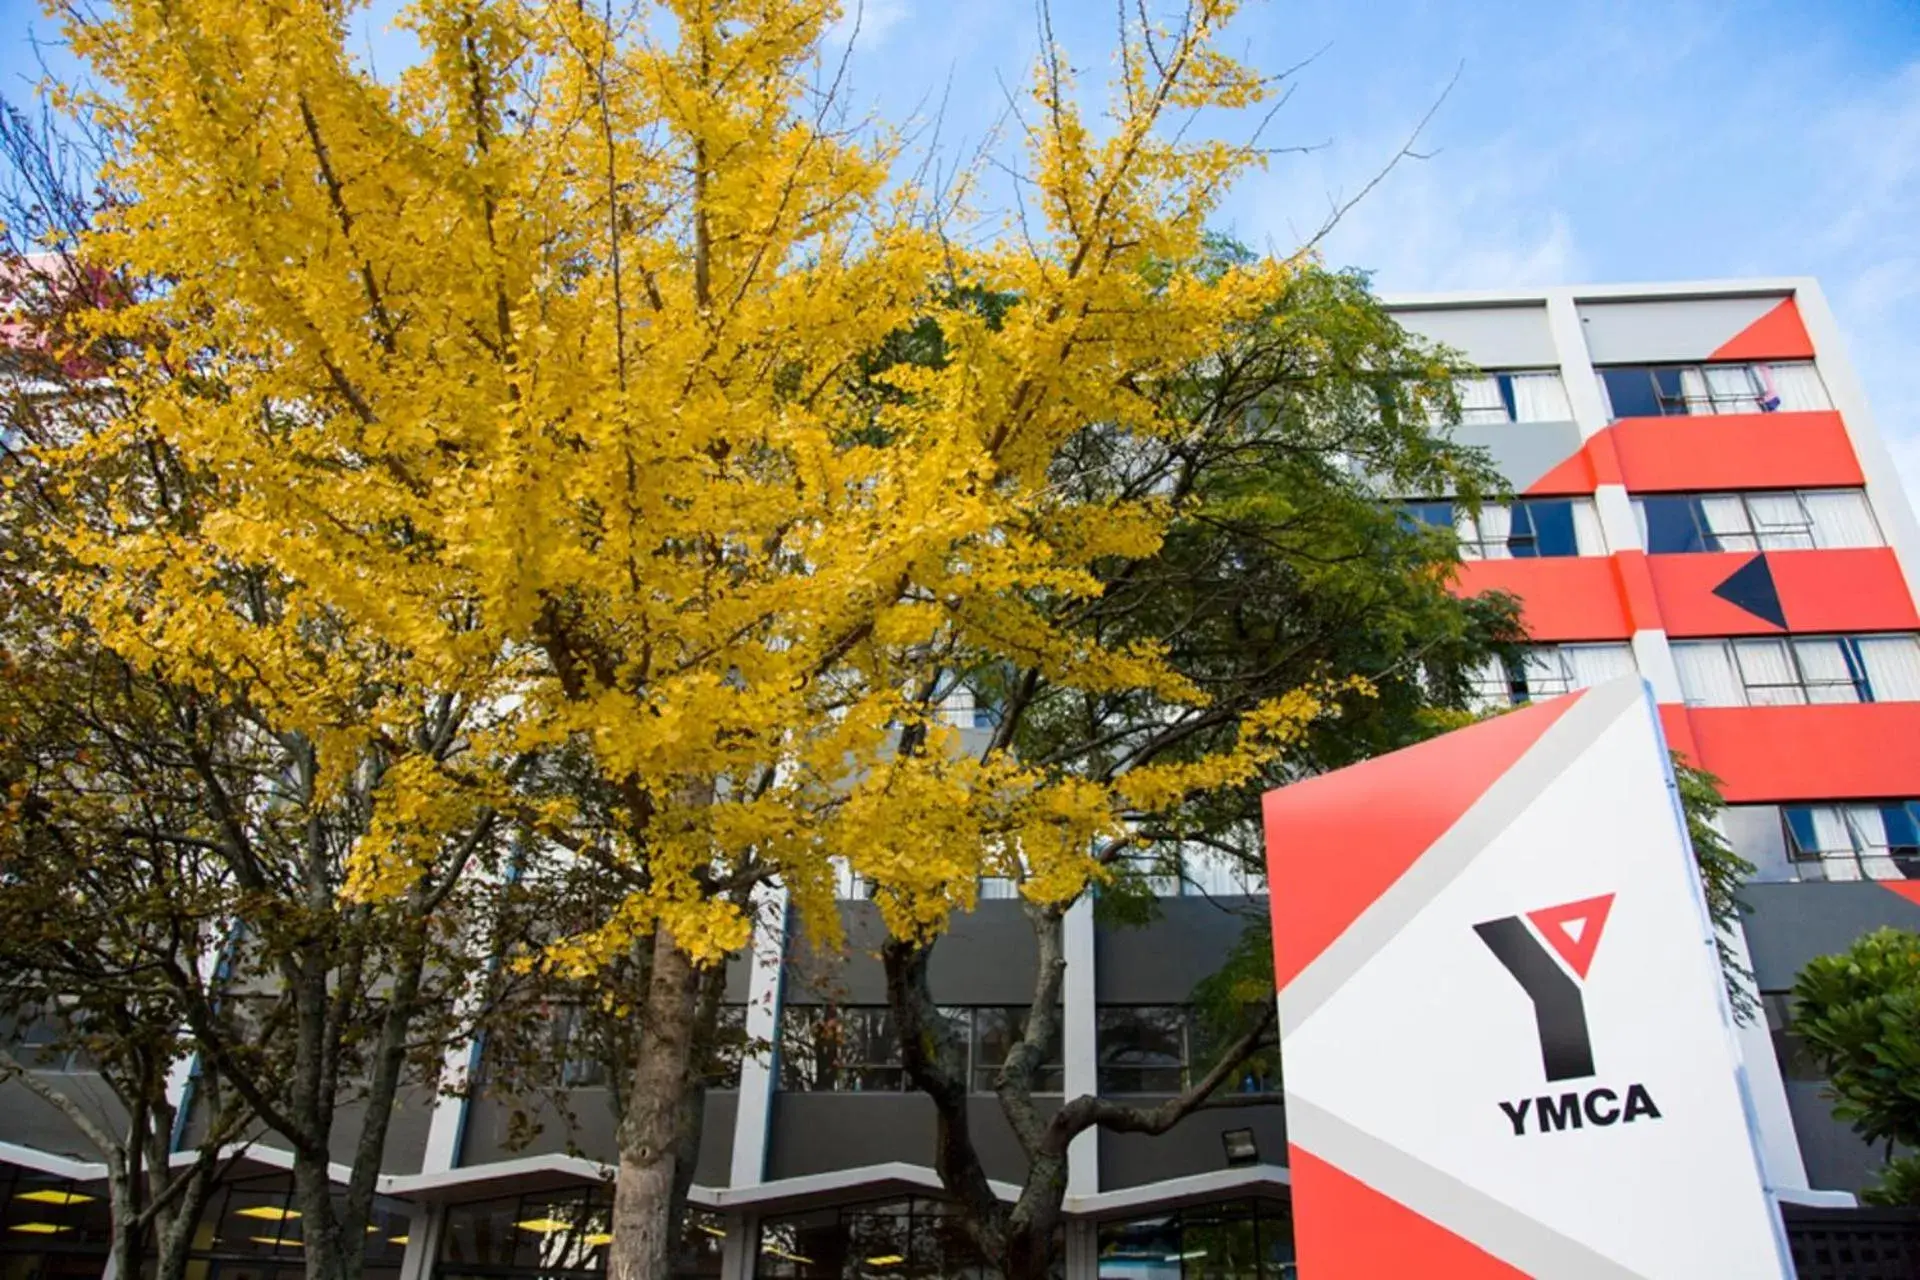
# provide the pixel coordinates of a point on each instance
(987, 957)
(1837, 1160)
(1790, 924)
(406, 1131)
(1491, 337)
(1523, 451)
(823, 1132)
(1160, 963)
(585, 1126)
(1192, 1146)
(1667, 330)
(31, 1122)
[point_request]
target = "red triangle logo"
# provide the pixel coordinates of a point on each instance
(1573, 929)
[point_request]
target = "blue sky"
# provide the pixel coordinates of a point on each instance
(1583, 142)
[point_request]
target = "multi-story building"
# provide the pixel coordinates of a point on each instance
(1700, 495)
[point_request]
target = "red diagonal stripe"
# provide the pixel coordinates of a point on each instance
(1345, 1230)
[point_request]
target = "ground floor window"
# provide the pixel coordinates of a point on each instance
(1234, 1240)
(913, 1237)
(557, 1235)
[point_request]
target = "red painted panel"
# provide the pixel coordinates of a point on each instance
(1345, 1230)
(1908, 889)
(1679, 731)
(1777, 335)
(1566, 598)
(1760, 754)
(1431, 784)
(1855, 590)
(1734, 451)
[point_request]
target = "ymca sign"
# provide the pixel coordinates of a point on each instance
(1506, 1041)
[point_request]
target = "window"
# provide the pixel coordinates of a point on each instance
(1823, 519)
(1878, 840)
(1798, 670)
(854, 1049)
(1143, 1048)
(1512, 397)
(913, 1238)
(994, 1031)
(555, 1233)
(1519, 530)
(1546, 670)
(42, 1038)
(1174, 871)
(1149, 1048)
(1671, 390)
(839, 1048)
(1531, 528)
(1244, 1239)
(850, 886)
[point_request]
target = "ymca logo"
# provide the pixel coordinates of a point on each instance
(1556, 987)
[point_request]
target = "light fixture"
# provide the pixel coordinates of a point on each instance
(545, 1226)
(396, 1239)
(711, 1230)
(1240, 1147)
(599, 1238)
(775, 1251)
(46, 1195)
(277, 1242)
(39, 1228)
(886, 1260)
(267, 1213)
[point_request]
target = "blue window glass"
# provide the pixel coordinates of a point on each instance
(1543, 527)
(1667, 385)
(1800, 826)
(1903, 835)
(1438, 515)
(1674, 525)
(1631, 392)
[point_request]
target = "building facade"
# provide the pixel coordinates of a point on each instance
(1700, 494)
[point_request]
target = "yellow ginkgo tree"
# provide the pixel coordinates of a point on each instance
(594, 371)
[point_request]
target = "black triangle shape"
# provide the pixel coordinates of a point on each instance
(1750, 587)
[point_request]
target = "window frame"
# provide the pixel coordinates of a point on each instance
(1673, 392)
(962, 1021)
(1902, 855)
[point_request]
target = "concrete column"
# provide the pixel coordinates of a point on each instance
(423, 1241)
(737, 1251)
(1079, 1042)
(1083, 1250)
(1654, 656)
(753, 1117)
(1576, 365)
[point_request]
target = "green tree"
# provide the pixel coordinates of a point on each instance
(1858, 1014)
(1282, 567)
(1722, 872)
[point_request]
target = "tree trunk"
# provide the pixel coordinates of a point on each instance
(649, 1134)
(176, 1241)
(319, 1229)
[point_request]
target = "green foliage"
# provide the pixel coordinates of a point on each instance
(1722, 872)
(1859, 1015)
